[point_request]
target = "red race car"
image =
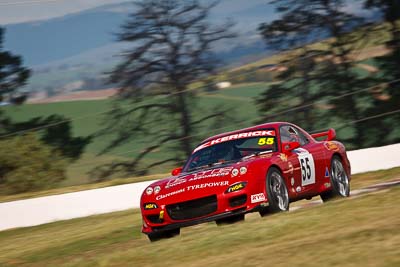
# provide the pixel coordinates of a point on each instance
(261, 168)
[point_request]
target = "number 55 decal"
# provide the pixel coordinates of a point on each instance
(307, 166)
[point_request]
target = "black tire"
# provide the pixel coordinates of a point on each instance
(156, 236)
(339, 180)
(278, 196)
(230, 219)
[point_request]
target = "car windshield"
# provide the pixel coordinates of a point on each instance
(219, 151)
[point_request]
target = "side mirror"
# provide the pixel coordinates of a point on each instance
(331, 134)
(289, 146)
(176, 171)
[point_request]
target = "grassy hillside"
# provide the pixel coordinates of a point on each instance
(359, 231)
(88, 117)
(373, 37)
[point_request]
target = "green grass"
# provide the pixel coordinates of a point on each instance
(348, 232)
(87, 118)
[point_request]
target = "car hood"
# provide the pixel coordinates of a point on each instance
(196, 177)
(210, 177)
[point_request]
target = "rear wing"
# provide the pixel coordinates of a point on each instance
(330, 134)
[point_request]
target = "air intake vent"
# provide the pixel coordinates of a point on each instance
(237, 201)
(193, 208)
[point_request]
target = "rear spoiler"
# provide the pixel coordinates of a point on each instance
(330, 134)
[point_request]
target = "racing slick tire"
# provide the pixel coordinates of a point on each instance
(277, 193)
(164, 234)
(339, 181)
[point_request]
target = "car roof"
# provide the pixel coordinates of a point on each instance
(252, 128)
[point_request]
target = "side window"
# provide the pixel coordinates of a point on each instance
(291, 134)
(303, 139)
(285, 135)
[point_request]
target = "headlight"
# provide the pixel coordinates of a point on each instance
(149, 190)
(157, 189)
(243, 170)
(235, 172)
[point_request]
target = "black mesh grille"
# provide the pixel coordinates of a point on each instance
(193, 208)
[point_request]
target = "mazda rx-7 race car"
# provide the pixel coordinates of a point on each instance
(261, 168)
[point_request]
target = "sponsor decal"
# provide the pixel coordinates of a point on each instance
(236, 187)
(326, 172)
(170, 194)
(331, 146)
(199, 175)
(292, 181)
(211, 173)
(161, 216)
(234, 137)
(307, 166)
(206, 185)
(290, 168)
(257, 198)
(150, 206)
(266, 141)
(174, 182)
(327, 185)
(283, 157)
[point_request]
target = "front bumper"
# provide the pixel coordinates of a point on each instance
(172, 216)
(210, 218)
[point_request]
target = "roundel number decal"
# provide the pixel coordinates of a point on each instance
(307, 167)
(265, 141)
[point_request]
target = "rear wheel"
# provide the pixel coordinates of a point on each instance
(155, 236)
(339, 181)
(277, 192)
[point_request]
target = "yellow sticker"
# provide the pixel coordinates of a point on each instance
(150, 206)
(265, 141)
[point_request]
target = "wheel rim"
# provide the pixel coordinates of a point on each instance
(279, 191)
(340, 178)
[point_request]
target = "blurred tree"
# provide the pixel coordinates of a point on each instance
(26, 164)
(59, 136)
(171, 48)
(317, 73)
(12, 74)
(387, 97)
(391, 13)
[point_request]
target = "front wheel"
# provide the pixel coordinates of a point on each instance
(277, 192)
(339, 181)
